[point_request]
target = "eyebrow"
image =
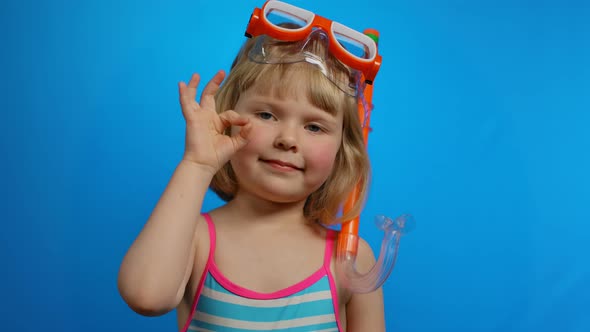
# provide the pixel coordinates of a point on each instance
(319, 100)
(266, 101)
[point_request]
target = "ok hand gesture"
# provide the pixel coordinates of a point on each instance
(206, 145)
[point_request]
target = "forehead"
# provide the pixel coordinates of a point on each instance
(300, 82)
(283, 80)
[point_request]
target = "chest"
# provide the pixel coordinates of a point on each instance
(270, 265)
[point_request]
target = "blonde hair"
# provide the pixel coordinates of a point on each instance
(351, 165)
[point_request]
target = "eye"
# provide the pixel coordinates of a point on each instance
(313, 128)
(265, 115)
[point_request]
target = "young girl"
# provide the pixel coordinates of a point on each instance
(281, 142)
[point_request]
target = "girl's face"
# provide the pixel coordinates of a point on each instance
(292, 148)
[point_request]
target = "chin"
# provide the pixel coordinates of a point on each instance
(288, 195)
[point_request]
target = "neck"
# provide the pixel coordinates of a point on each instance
(260, 211)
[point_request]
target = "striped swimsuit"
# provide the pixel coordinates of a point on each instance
(220, 305)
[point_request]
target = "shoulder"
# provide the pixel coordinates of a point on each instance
(365, 311)
(365, 257)
(363, 263)
(201, 248)
(202, 232)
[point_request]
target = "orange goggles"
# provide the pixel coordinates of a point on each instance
(353, 48)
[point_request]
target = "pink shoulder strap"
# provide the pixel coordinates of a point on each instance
(211, 228)
(330, 238)
(330, 235)
(212, 236)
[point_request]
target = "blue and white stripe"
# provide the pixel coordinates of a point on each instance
(220, 310)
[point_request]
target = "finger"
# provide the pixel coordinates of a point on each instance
(231, 118)
(208, 95)
(244, 133)
(181, 92)
(241, 136)
(194, 82)
(240, 139)
(188, 93)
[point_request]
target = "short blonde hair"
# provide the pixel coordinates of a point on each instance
(351, 165)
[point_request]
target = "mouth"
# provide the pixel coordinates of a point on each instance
(282, 165)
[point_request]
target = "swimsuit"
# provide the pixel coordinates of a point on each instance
(220, 305)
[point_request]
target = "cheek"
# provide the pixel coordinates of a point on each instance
(323, 156)
(258, 136)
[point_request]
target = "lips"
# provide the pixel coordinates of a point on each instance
(282, 164)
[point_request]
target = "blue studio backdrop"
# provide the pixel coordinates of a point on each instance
(480, 131)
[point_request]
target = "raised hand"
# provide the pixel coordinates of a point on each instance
(206, 145)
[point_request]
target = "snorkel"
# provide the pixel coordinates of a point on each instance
(359, 52)
(348, 238)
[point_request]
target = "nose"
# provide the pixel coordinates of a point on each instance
(286, 139)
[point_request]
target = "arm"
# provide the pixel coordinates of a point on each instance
(365, 312)
(156, 269)
(157, 266)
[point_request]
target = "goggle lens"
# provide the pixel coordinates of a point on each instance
(282, 19)
(353, 46)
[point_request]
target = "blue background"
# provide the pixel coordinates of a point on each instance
(480, 131)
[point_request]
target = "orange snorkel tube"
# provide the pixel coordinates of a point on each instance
(347, 249)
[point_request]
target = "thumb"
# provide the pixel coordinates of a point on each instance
(242, 137)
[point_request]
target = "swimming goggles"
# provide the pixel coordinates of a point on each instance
(288, 23)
